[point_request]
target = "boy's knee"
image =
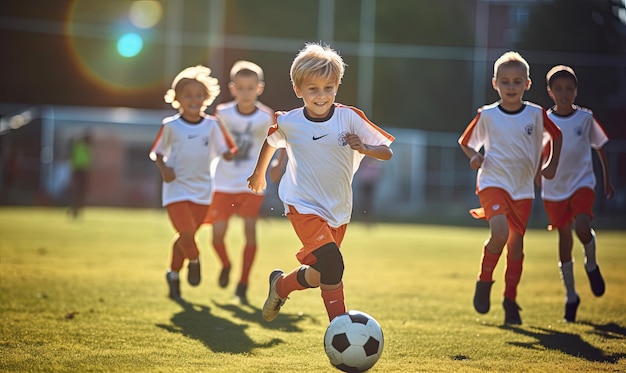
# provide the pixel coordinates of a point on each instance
(329, 264)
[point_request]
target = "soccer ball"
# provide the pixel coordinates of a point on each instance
(353, 341)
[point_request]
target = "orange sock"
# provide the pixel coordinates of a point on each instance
(487, 265)
(334, 302)
(220, 250)
(248, 257)
(289, 283)
(512, 276)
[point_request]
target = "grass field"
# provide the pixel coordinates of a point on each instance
(90, 295)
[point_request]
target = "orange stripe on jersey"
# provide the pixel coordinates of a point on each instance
(158, 137)
(467, 134)
(274, 127)
(362, 115)
(232, 146)
(599, 125)
(548, 125)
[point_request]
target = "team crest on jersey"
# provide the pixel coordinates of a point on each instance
(579, 131)
(205, 140)
(529, 129)
(342, 138)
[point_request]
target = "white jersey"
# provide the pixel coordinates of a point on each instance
(249, 132)
(190, 149)
(321, 165)
(581, 133)
(512, 145)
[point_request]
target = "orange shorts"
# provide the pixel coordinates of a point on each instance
(314, 232)
(224, 205)
(186, 216)
(561, 213)
(496, 201)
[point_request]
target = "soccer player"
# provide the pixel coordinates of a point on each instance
(510, 132)
(183, 151)
(568, 197)
(325, 143)
(248, 121)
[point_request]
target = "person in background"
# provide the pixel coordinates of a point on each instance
(81, 159)
(510, 132)
(248, 121)
(568, 198)
(185, 149)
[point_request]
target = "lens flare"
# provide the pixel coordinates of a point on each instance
(129, 45)
(145, 13)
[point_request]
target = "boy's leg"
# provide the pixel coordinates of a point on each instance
(219, 245)
(491, 254)
(582, 204)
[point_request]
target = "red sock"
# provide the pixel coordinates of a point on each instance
(487, 265)
(512, 276)
(289, 283)
(248, 258)
(177, 258)
(334, 302)
(220, 250)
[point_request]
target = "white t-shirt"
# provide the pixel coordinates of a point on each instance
(249, 132)
(512, 143)
(321, 166)
(191, 150)
(581, 132)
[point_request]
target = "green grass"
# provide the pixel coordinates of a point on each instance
(90, 295)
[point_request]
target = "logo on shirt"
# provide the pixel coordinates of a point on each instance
(342, 138)
(189, 137)
(579, 131)
(495, 207)
(319, 137)
(529, 129)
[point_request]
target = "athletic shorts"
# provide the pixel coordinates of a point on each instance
(314, 232)
(224, 205)
(187, 216)
(562, 213)
(496, 201)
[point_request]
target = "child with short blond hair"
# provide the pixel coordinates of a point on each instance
(325, 143)
(510, 132)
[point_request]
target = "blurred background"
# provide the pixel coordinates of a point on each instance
(419, 69)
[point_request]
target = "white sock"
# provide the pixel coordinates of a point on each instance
(173, 275)
(567, 275)
(194, 261)
(590, 253)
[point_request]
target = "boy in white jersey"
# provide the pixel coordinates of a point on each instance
(325, 143)
(248, 121)
(510, 131)
(568, 197)
(185, 147)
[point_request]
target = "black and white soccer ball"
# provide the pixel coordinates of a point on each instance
(353, 341)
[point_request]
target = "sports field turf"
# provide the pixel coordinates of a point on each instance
(90, 295)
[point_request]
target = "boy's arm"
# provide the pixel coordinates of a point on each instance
(382, 152)
(167, 173)
(548, 170)
(608, 187)
(476, 159)
(257, 181)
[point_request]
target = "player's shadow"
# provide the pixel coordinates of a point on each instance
(284, 322)
(569, 343)
(219, 335)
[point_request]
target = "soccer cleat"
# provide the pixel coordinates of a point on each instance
(570, 310)
(240, 293)
(596, 281)
(482, 296)
(272, 304)
(174, 286)
(224, 274)
(511, 312)
(193, 273)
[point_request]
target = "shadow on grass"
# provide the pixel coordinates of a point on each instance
(569, 343)
(284, 322)
(219, 335)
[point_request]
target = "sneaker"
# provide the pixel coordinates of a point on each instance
(193, 273)
(223, 280)
(570, 310)
(272, 304)
(240, 293)
(596, 281)
(482, 295)
(174, 286)
(511, 312)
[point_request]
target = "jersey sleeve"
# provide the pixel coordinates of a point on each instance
(370, 133)
(275, 137)
(597, 135)
(162, 143)
(548, 126)
(472, 137)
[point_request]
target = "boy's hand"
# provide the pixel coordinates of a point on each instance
(608, 190)
(476, 161)
(257, 184)
(355, 142)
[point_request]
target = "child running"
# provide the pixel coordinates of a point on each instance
(510, 132)
(183, 151)
(248, 121)
(325, 143)
(568, 197)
